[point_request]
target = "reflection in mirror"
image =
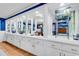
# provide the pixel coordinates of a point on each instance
(40, 29)
(13, 29)
(39, 24)
(8, 27)
(24, 26)
(54, 28)
(29, 26)
(35, 24)
(62, 18)
(21, 27)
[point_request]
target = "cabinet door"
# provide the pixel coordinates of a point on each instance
(6, 37)
(39, 48)
(26, 44)
(9, 39)
(12, 39)
(16, 40)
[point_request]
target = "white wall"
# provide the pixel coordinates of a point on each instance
(2, 35)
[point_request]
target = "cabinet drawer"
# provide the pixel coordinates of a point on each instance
(68, 54)
(53, 44)
(70, 48)
(52, 52)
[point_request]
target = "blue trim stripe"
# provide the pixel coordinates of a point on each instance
(2, 24)
(40, 4)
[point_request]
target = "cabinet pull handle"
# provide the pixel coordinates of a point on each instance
(53, 45)
(64, 54)
(59, 54)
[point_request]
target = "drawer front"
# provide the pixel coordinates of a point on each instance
(52, 52)
(70, 48)
(69, 54)
(53, 45)
(64, 53)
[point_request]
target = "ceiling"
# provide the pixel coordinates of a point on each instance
(9, 9)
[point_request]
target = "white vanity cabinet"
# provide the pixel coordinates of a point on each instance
(60, 49)
(41, 47)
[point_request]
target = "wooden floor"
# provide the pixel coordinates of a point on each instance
(12, 50)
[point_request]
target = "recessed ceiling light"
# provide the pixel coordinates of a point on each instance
(62, 4)
(36, 12)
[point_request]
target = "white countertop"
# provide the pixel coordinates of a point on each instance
(64, 40)
(61, 39)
